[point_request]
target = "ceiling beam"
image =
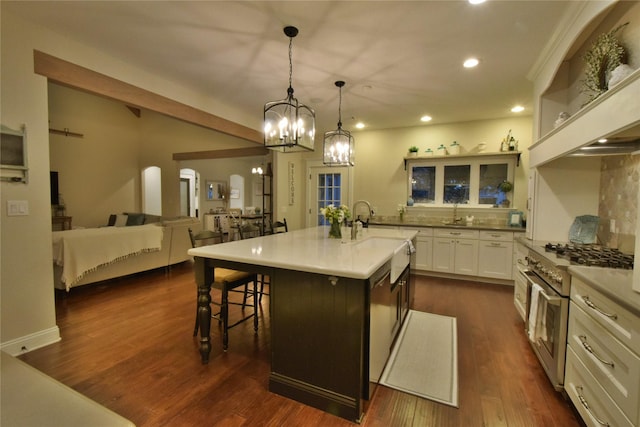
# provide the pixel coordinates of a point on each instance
(222, 154)
(72, 75)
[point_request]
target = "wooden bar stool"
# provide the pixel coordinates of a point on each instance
(228, 281)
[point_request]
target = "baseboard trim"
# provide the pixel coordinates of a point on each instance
(480, 279)
(31, 342)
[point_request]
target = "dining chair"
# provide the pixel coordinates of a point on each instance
(279, 226)
(248, 231)
(228, 281)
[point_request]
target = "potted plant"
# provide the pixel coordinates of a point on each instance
(413, 151)
(505, 187)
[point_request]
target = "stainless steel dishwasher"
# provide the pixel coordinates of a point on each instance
(380, 315)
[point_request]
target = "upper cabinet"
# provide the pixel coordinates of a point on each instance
(559, 83)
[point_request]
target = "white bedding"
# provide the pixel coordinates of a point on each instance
(81, 251)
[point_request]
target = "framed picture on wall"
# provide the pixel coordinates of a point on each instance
(215, 190)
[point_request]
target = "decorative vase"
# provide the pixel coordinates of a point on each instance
(335, 231)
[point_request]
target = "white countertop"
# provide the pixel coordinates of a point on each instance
(310, 250)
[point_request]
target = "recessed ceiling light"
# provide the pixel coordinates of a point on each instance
(476, 1)
(360, 125)
(425, 118)
(602, 141)
(517, 109)
(470, 63)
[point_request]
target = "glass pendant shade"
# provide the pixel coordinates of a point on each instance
(338, 145)
(338, 148)
(289, 125)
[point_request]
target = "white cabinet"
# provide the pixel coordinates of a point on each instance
(603, 359)
(521, 287)
(455, 251)
(424, 249)
(495, 257)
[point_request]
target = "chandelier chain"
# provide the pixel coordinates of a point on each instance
(290, 61)
(340, 108)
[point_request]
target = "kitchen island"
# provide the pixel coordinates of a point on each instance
(319, 304)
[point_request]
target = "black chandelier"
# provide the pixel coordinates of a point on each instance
(338, 144)
(289, 125)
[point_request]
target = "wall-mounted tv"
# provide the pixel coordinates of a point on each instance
(55, 190)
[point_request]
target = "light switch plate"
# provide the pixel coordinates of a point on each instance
(17, 207)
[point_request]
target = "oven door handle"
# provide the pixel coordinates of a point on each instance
(550, 300)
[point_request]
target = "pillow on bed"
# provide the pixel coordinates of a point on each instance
(135, 219)
(121, 220)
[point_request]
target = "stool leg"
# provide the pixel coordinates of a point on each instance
(255, 305)
(197, 326)
(224, 313)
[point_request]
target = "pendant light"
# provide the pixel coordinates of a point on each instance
(338, 144)
(289, 125)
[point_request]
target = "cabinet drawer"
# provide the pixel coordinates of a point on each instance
(456, 233)
(621, 323)
(500, 236)
(613, 365)
(582, 387)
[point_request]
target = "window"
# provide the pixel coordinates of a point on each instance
(471, 180)
(490, 178)
(329, 193)
(457, 180)
(423, 184)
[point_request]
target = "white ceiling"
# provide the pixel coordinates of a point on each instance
(400, 59)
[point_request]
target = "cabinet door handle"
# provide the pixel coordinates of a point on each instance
(495, 235)
(586, 406)
(598, 309)
(456, 233)
(588, 347)
(497, 245)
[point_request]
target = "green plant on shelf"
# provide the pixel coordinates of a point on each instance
(505, 186)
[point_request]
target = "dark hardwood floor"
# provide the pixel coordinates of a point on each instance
(128, 345)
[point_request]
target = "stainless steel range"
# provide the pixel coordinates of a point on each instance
(549, 288)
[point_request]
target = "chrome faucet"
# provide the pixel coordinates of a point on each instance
(354, 228)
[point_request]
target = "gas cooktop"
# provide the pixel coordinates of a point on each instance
(591, 255)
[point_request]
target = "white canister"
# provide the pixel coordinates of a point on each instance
(441, 150)
(428, 152)
(482, 146)
(454, 148)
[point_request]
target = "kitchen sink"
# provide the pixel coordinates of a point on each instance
(401, 252)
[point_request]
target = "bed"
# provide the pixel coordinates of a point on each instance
(91, 255)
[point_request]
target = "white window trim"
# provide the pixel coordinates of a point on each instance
(474, 180)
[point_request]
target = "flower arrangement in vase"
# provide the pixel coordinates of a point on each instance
(413, 151)
(335, 215)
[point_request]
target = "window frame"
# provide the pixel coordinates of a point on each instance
(474, 180)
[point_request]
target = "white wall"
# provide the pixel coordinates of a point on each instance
(27, 295)
(27, 314)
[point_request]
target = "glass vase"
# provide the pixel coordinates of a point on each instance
(335, 231)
